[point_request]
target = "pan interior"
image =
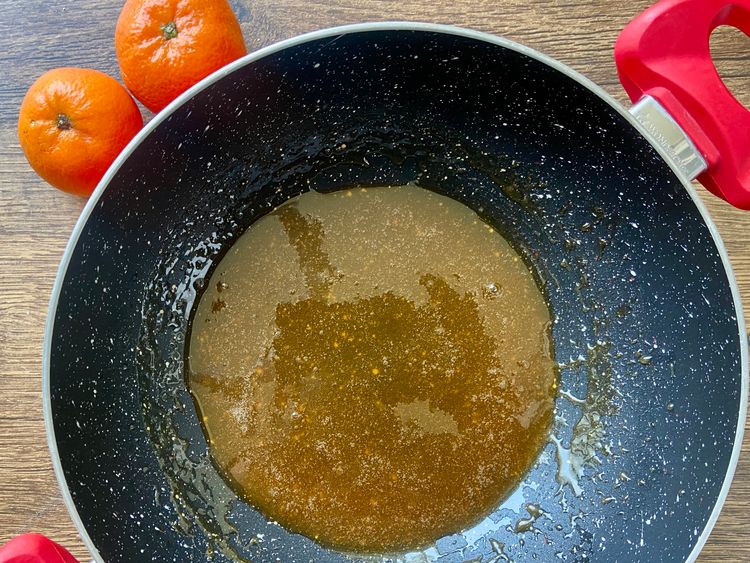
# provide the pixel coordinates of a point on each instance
(645, 329)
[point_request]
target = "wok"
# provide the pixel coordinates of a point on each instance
(648, 328)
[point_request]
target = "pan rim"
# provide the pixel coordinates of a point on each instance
(368, 27)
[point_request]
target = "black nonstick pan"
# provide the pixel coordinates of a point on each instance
(648, 330)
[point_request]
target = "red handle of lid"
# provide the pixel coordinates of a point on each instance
(34, 548)
(664, 53)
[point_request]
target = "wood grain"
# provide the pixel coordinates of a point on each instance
(35, 220)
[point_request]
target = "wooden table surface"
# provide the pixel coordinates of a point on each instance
(36, 220)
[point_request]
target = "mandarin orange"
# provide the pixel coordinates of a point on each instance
(72, 125)
(165, 46)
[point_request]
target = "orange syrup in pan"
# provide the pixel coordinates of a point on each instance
(373, 367)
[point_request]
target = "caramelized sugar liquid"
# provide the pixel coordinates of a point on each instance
(373, 367)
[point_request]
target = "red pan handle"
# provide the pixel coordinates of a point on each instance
(664, 53)
(34, 548)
